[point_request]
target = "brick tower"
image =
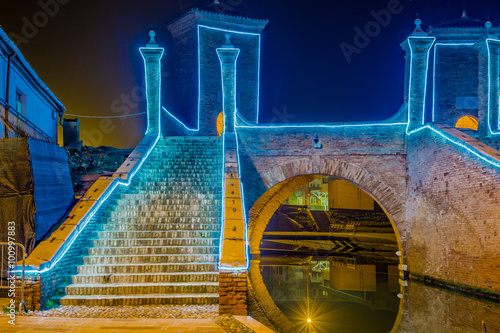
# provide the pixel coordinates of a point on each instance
(198, 95)
(449, 71)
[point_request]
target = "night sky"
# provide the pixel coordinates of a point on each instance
(87, 53)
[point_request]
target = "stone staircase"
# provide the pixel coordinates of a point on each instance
(159, 244)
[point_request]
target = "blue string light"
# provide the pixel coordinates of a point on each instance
(411, 78)
(115, 181)
(492, 131)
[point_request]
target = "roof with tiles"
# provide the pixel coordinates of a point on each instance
(463, 22)
(222, 9)
(217, 11)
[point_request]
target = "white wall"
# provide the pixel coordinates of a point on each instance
(38, 110)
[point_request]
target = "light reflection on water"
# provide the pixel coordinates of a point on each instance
(340, 295)
(336, 293)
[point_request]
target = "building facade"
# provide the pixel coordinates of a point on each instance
(27, 107)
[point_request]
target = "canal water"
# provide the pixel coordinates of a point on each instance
(348, 295)
(329, 263)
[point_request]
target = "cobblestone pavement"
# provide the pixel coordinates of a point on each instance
(160, 311)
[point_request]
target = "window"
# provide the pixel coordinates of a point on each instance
(21, 110)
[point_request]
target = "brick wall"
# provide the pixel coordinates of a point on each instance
(457, 75)
(381, 150)
(203, 90)
(233, 293)
(31, 292)
(453, 219)
(433, 310)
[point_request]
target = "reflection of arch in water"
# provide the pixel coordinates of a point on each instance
(467, 122)
(280, 187)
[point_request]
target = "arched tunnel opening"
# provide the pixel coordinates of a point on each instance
(327, 258)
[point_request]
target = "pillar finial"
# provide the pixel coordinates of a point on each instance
(227, 44)
(418, 29)
(488, 25)
(152, 41)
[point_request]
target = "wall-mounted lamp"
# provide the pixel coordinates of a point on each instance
(316, 143)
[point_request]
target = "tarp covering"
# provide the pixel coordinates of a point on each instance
(17, 202)
(53, 190)
(35, 188)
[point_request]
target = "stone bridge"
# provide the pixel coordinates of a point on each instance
(438, 184)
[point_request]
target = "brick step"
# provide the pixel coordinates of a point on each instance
(154, 250)
(150, 258)
(157, 234)
(178, 191)
(185, 241)
(142, 288)
(178, 188)
(147, 278)
(166, 202)
(166, 213)
(172, 171)
(159, 226)
(148, 268)
(183, 159)
(201, 172)
(139, 208)
(161, 220)
(195, 181)
(166, 177)
(151, 299)
(182, 164)
(173, 183)
(152, 197)
(199, 155)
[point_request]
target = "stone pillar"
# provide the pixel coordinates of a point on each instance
(417, 48)
(232, 262)
(488, 90)
(493, 103)
(32, 284)
(152, 55)
(227, 56)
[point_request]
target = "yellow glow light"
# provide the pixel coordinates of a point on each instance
(467, 122)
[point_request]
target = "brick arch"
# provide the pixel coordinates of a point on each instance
(282, 180)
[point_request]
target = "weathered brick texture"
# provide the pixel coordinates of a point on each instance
(432, 310)
(373, 158)
(453, 215)
(233, 293)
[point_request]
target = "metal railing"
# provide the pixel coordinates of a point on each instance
(343, 228)
(9, 270)
(21, 125)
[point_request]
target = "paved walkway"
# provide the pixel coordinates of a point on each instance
(99, 325)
